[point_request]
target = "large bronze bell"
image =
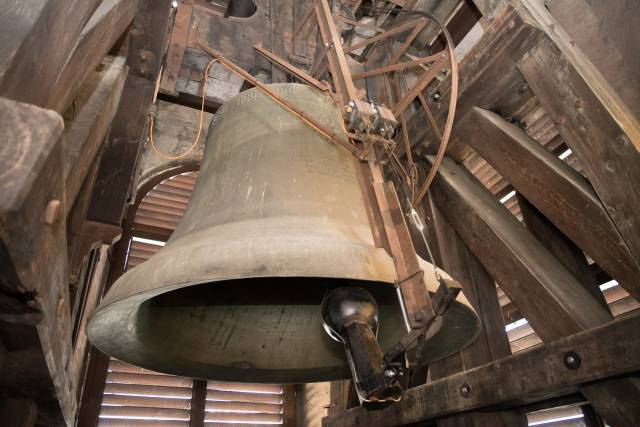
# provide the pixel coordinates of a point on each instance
(276, 219)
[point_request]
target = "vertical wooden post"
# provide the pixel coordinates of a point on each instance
(198, 403)
(289, 405)
(480, 289)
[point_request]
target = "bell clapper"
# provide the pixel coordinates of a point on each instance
(350, 316)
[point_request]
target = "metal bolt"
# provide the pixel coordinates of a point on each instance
(436, 96)
(389, 373)
(465, 390)
(572, 360)
(52, 211)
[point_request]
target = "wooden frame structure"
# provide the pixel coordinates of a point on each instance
(581, 77)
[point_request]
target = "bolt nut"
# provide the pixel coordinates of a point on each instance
(465, 390)
(436, 96)
(572, 360)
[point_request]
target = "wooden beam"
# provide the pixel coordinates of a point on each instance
(491, 82)
(116, 174)
(599, 88)
(177, 46)
(410, 283)
(529, 376)
(105, 27)
(290, 69)
(555, 188)
(335, 55)
(604, 147)
(480, 290)
(198, 403)
(569, 255)
(553, 301)
(93, 112)
(37, 37)
(595, 37)
(282, 17)
(539, 285)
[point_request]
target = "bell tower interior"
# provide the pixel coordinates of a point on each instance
(319, 213)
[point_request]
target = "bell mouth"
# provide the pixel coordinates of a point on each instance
(266, 329)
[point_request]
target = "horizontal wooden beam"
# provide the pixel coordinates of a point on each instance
(530, 376)
(563, 195)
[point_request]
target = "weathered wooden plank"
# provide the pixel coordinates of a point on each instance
(608, 157)
(102, 31)
(85, 132)
(529, 376)
(177, 46)
(581, 21)
(563, 195)
(541, 287)
(37, 37)
(480, 290)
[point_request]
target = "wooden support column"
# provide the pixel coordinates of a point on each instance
(198, 403)
(177, 46)
(93, 388)
(553, 301)
(604, 144)
(115, 180)
(480, 290)
(563, 195)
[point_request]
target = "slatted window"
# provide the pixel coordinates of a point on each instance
(134, 396)
(243, 403)
(138, 397)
